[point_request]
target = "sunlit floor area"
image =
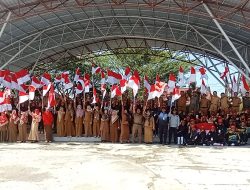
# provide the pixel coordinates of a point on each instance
(122, 166)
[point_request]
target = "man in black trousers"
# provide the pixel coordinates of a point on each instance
(163, 125)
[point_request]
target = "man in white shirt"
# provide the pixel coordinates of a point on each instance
(174, 122)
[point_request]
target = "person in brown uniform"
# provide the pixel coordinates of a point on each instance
(69, 121)
(3, 127)
(204, 104)
(124, 126)
(79, 120)
(215, 103)
(60, 127)
(88, 113)
(22, 127)
(137, 124)
(12, 130)
(224, 103)
(181, 102)
(104, 126)
(96, 121)
(149, 127)
(236, 101)
(246, 102)
(114, 126)
(194, 102)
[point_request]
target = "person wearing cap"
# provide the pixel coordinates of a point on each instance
(174, 122)
(163, 121)
(48, 120)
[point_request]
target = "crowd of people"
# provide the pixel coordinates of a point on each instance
(193, 119)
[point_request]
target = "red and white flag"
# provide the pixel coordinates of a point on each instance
(46, 89)
(2, 74)
(95, 69)
(136, 74)
(67, 83)
(225, 73)
(113, 77)
(22, 76)
(176, 95)
(51, 98)
(79, 89)
(192, 77)
(234, 85)
(36, 83)
(203, 73)
(81, 80)
(94, 96)
(2, 97)
(77, 74)
(64, 75)
(46, 79)
(115, 91)
(156, 90)
(103, 80)
(181, 81)
(123, 85)
(58, 79)
(134, 83)
(14, 83)
(171, 81)
(244, 85)
(146, 84)
(203, 87)
(23, 97)
(7, 81)
(32, 91)
(86, 86)
(127, 73)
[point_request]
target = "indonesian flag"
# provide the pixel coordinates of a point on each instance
(176, 95)
(64, 75)
(146, 84)
(244, 85)
(203, 73)
(115, 91)
(192, 77)
(81, 80)
(22, 76)
(24, 87)
(14, 84)
(36, 83)
(94, 96)
(7, 81)
(51, 98)
(45, 79)
(225, 73)
(234, 85)
(123, 85)
(103, 80)
(203, 87)
(23, 97)
(86, 86)
(136, 74)
(2, 74)
(77, 74)
(58, 79)
(103, 89)
(181, 81)
(156, 90)
(67, 83)
(171, 81)
(127, 73)
(46, 89)
(79, 89)
(2, 97)
(95, 69)
(113, 77)
(32, 90)
(134, 83)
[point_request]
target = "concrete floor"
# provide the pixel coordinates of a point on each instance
(122, 166)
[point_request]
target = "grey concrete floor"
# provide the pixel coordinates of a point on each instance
(122, 166)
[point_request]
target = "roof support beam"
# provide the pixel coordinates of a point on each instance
(5, 24)
(12, 58)
(226, 37)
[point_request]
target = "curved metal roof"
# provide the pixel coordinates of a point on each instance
(40, 32)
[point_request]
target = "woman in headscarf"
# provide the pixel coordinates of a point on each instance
(3, 127)
(60, 122)
(88, 121)
(124, 126)
(79, 120)
(114, 126)
(149, 126)
(48, 119)
(22, 127)
(36, 118)
(96, 121)
(104, 126)
(12, 130)
(69, 121)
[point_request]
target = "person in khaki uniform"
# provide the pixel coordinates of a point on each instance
(204, 104)
(149, 127)
(96, 121)
(224, 103)
(137, 124)
(236, 101)
(181, 102)
(79, 120)
(124, 137)
(215, 103)
(88, 121)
